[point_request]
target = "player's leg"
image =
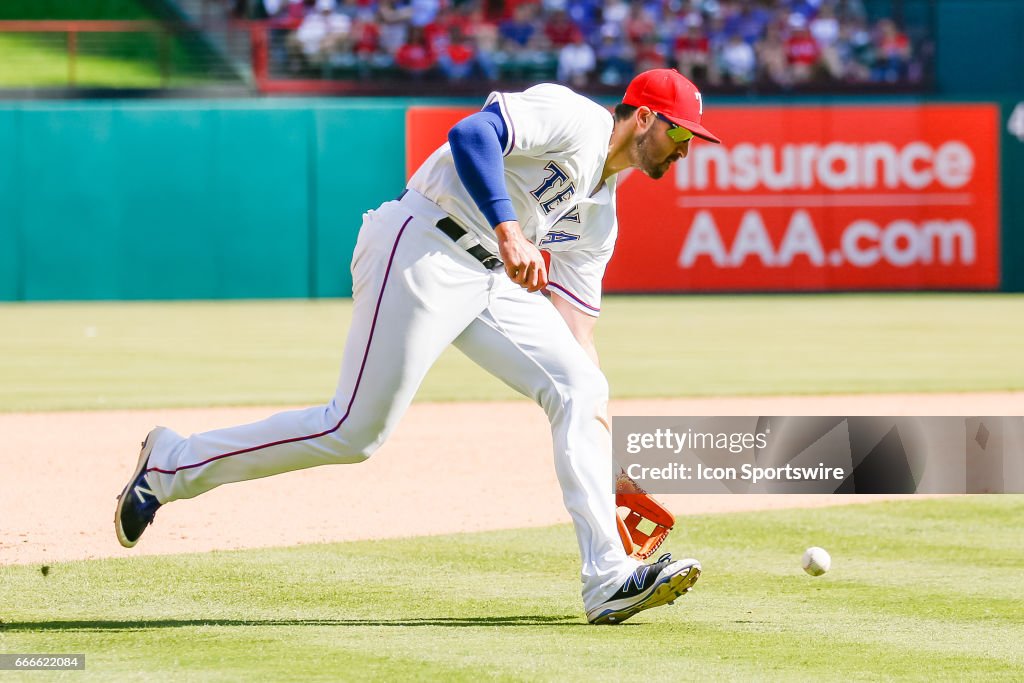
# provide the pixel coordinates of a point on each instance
(523, 340)
(413, 292)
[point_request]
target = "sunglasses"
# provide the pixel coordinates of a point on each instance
(675, 132)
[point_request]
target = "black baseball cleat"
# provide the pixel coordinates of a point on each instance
(137, 503)
(650, 585)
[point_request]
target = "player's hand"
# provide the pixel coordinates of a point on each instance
(523, 262)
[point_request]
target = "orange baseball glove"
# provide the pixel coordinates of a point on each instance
(644, 523)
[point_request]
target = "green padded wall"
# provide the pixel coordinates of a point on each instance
(980, 47)
(10, 205)
(1012, 168)
(155, 200)
(359, 162)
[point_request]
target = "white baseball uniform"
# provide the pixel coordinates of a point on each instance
(415, 291)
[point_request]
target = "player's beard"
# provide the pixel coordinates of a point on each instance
(646, 159)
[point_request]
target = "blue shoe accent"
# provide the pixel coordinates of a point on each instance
(650, 585)
(137, 504)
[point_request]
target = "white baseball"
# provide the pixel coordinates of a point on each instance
(816, 561)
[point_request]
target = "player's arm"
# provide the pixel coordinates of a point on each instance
(477, 143)
(580, 324)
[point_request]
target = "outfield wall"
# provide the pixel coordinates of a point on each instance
(196, 199)
(168, 200)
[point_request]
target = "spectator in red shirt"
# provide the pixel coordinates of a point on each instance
(368, 53)
(436, 33)
(892, 50)
(415, 58)
(650, 55)
(291, 16)
(511, 7)
(639, 24)
(459, 58)
(692, 51)
(561, 31)
(365, 38)
(802, 51)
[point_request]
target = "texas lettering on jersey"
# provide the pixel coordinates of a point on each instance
(556, 236)
(554, 191)
(554, 156)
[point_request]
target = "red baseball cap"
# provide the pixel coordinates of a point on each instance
(672, 95)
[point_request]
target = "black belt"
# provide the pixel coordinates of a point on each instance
(456, 232)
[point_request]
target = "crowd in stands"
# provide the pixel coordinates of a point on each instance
(739, 43)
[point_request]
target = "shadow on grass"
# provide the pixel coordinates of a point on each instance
(135, 625)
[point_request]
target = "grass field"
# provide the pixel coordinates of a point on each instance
(131, 355)
(919, 590)
(114, 60)
(923, 590)
(110, 60)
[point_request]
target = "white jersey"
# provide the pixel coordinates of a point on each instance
(415, 292)
(555, 153)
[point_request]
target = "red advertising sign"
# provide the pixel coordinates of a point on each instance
(818, 198)
(808, 198)
(426, 129)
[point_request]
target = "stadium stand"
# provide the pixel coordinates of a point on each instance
(781, 44)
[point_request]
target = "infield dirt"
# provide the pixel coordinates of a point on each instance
(449, 467)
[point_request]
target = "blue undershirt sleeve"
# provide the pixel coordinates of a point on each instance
(477, 142)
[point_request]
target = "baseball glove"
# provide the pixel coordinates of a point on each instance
(644, 523)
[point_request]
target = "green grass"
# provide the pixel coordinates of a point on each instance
(921, 590)
(114, 60)
(73, 9)
(57, 356)
(117, 60)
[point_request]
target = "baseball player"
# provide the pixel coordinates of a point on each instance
(455, 259)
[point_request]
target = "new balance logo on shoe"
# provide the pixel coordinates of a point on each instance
(137, 504)
(140, 489)
(637, 578)
(652, 585)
